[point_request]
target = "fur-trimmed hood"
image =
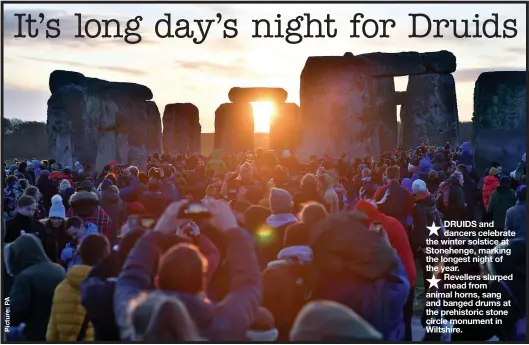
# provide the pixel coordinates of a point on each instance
(84, 203)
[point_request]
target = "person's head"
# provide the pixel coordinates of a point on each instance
(182, 269)
(493, 171)
(393, 173)
(418, 187)
(239, 208)
(33, 192)
(57, 212)
(327, 321)
(366, 173)
(211, 191)
(161, 318)
(280, 201)
(309, 182)
(11, 180)
(93, 248)
(75, 227)
(325, 182)
(505, 182)
(433, 175)
(297, 234)
(312, 212)
(458, 176)
(26, 206)
(134, 171)
(246, 172)
(255, 218)
(64, 185)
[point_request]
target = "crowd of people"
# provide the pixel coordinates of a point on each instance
(249, 247)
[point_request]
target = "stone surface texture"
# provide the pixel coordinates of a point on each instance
(95, 121)
(500, 119)
(181, 128)
(285, 127)
(430, 111)
(234, 128)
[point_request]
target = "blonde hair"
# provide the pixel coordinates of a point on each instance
(211, 190)
(326, 182)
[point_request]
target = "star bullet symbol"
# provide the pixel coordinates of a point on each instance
(433, 282)
(434, 229)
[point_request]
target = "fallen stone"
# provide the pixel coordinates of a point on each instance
(430, 111)
(257, 94)
(500, 120)
(180, 121)
(234, 128)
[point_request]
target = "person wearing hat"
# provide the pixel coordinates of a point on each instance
(56, 226)
(432, 183)
(489, 185)
(281, 206)
(327, 321)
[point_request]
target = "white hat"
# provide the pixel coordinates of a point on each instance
(286, 154)
(57, 208)
(418, 186)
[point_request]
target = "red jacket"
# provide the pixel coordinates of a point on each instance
(489, 185)
(397, 236)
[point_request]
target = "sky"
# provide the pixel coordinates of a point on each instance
(179, 70)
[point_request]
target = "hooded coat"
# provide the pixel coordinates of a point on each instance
(67, 312)
(36, 278)
(116, 209)
(86, 206)
(359, 268)
(516, 219)
(397, 236)
(47, 187)
(502, 199)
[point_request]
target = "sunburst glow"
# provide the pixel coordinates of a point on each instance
(262, 113)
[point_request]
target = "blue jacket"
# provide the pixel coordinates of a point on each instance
(129, 193)
(379, 302)
(69, 253)
(227, 320)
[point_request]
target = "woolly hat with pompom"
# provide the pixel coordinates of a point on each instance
(418, 187)
(57, 209)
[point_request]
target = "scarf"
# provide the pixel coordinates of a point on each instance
(300, 254)
(278, 220)
(422, 195)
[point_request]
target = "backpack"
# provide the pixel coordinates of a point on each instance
(519, 331)
(442, 196)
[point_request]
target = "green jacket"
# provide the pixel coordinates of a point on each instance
(500, 201)
(35, 280)
(520, 172)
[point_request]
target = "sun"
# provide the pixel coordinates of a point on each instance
(262, 112)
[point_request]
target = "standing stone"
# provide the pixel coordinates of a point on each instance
(284, 127)
(94, 121)
(257, 94)
(500, 120)
(386, 112)
(154, 128)
(234, 128)
(429, 111)
(337, 107)
(180, 121)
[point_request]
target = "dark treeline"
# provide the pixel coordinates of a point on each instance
(27, 139)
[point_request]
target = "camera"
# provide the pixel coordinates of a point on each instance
(194, 211)
(146, 222)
